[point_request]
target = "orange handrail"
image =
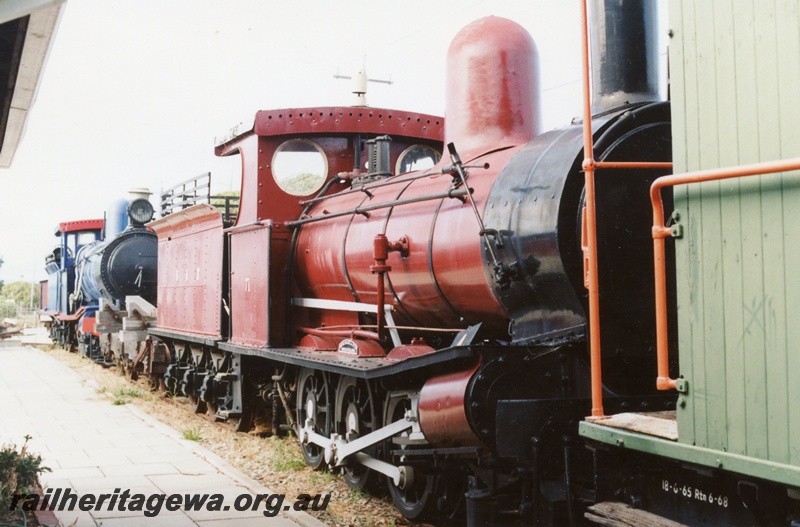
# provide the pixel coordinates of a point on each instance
(631, 164)
(589, 219)
(660, 231)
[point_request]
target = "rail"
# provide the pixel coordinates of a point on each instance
(589, 237)
(198, 190)
(186, 193)
(660, 231)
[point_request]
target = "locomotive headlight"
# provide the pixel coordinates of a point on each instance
(140, 211)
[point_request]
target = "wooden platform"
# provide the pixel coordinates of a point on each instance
(658, 424)
(614, 514)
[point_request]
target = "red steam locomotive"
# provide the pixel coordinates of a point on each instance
(421, 317)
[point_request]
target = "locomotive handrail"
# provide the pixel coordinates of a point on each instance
(660, 231)
(589, 165)
(364, 188)
(365, 209)
(390, 181)
(258, 224)
(342, 305)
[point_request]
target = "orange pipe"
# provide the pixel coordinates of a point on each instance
(589, 219)
(590, 248)
(630, 164)
(664, 382)
(347, 333)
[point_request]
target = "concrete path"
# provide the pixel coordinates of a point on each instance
(94, 447)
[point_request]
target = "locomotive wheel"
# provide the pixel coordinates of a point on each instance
(70, 340)
(211, 405)
(199, 406)
(314, 402)
(416, 501)
(196, 364)
(244, 422)
(356, 416)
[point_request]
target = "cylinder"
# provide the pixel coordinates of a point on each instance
(442, 414)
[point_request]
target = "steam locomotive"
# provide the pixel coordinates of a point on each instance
(409, 293)
(421, 315)
(97, 264)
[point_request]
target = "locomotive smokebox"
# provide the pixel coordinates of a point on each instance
(624, 52)
(125, 265)
(492, 87)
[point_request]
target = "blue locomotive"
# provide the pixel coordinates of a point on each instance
(61, 312)
(97, 265)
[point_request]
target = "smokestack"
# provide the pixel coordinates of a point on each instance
(624, 52)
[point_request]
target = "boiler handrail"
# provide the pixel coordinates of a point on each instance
(660, 231)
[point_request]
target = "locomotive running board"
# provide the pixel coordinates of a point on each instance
(188, 337)
(361, 367)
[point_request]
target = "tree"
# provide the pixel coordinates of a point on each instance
(1, 282)
(20, 292)
(228, 204)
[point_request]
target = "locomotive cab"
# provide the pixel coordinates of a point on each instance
(301, 156)
(60, 266)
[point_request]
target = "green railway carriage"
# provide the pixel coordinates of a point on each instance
(731, 454)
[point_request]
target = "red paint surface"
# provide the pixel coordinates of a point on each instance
(88, 325)
(81, 225)
(249, 283)
(492, 87)
(329, 124)
(442, 415)
(190, 256)
(333, 250)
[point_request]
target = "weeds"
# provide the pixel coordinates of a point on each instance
(322, 477)
(285, 458)
(19, 472)
(192, 434)
(358, 494)
(121, 395)
(125, 391)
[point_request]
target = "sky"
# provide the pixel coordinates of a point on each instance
(134, 92)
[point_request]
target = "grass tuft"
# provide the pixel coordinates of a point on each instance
(192, 434)
(285, 458)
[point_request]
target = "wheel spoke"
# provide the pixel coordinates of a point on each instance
(416, 501)
(313, 402)
(356, 416)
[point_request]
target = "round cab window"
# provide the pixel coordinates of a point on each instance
(299, 167)
(417, 157)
